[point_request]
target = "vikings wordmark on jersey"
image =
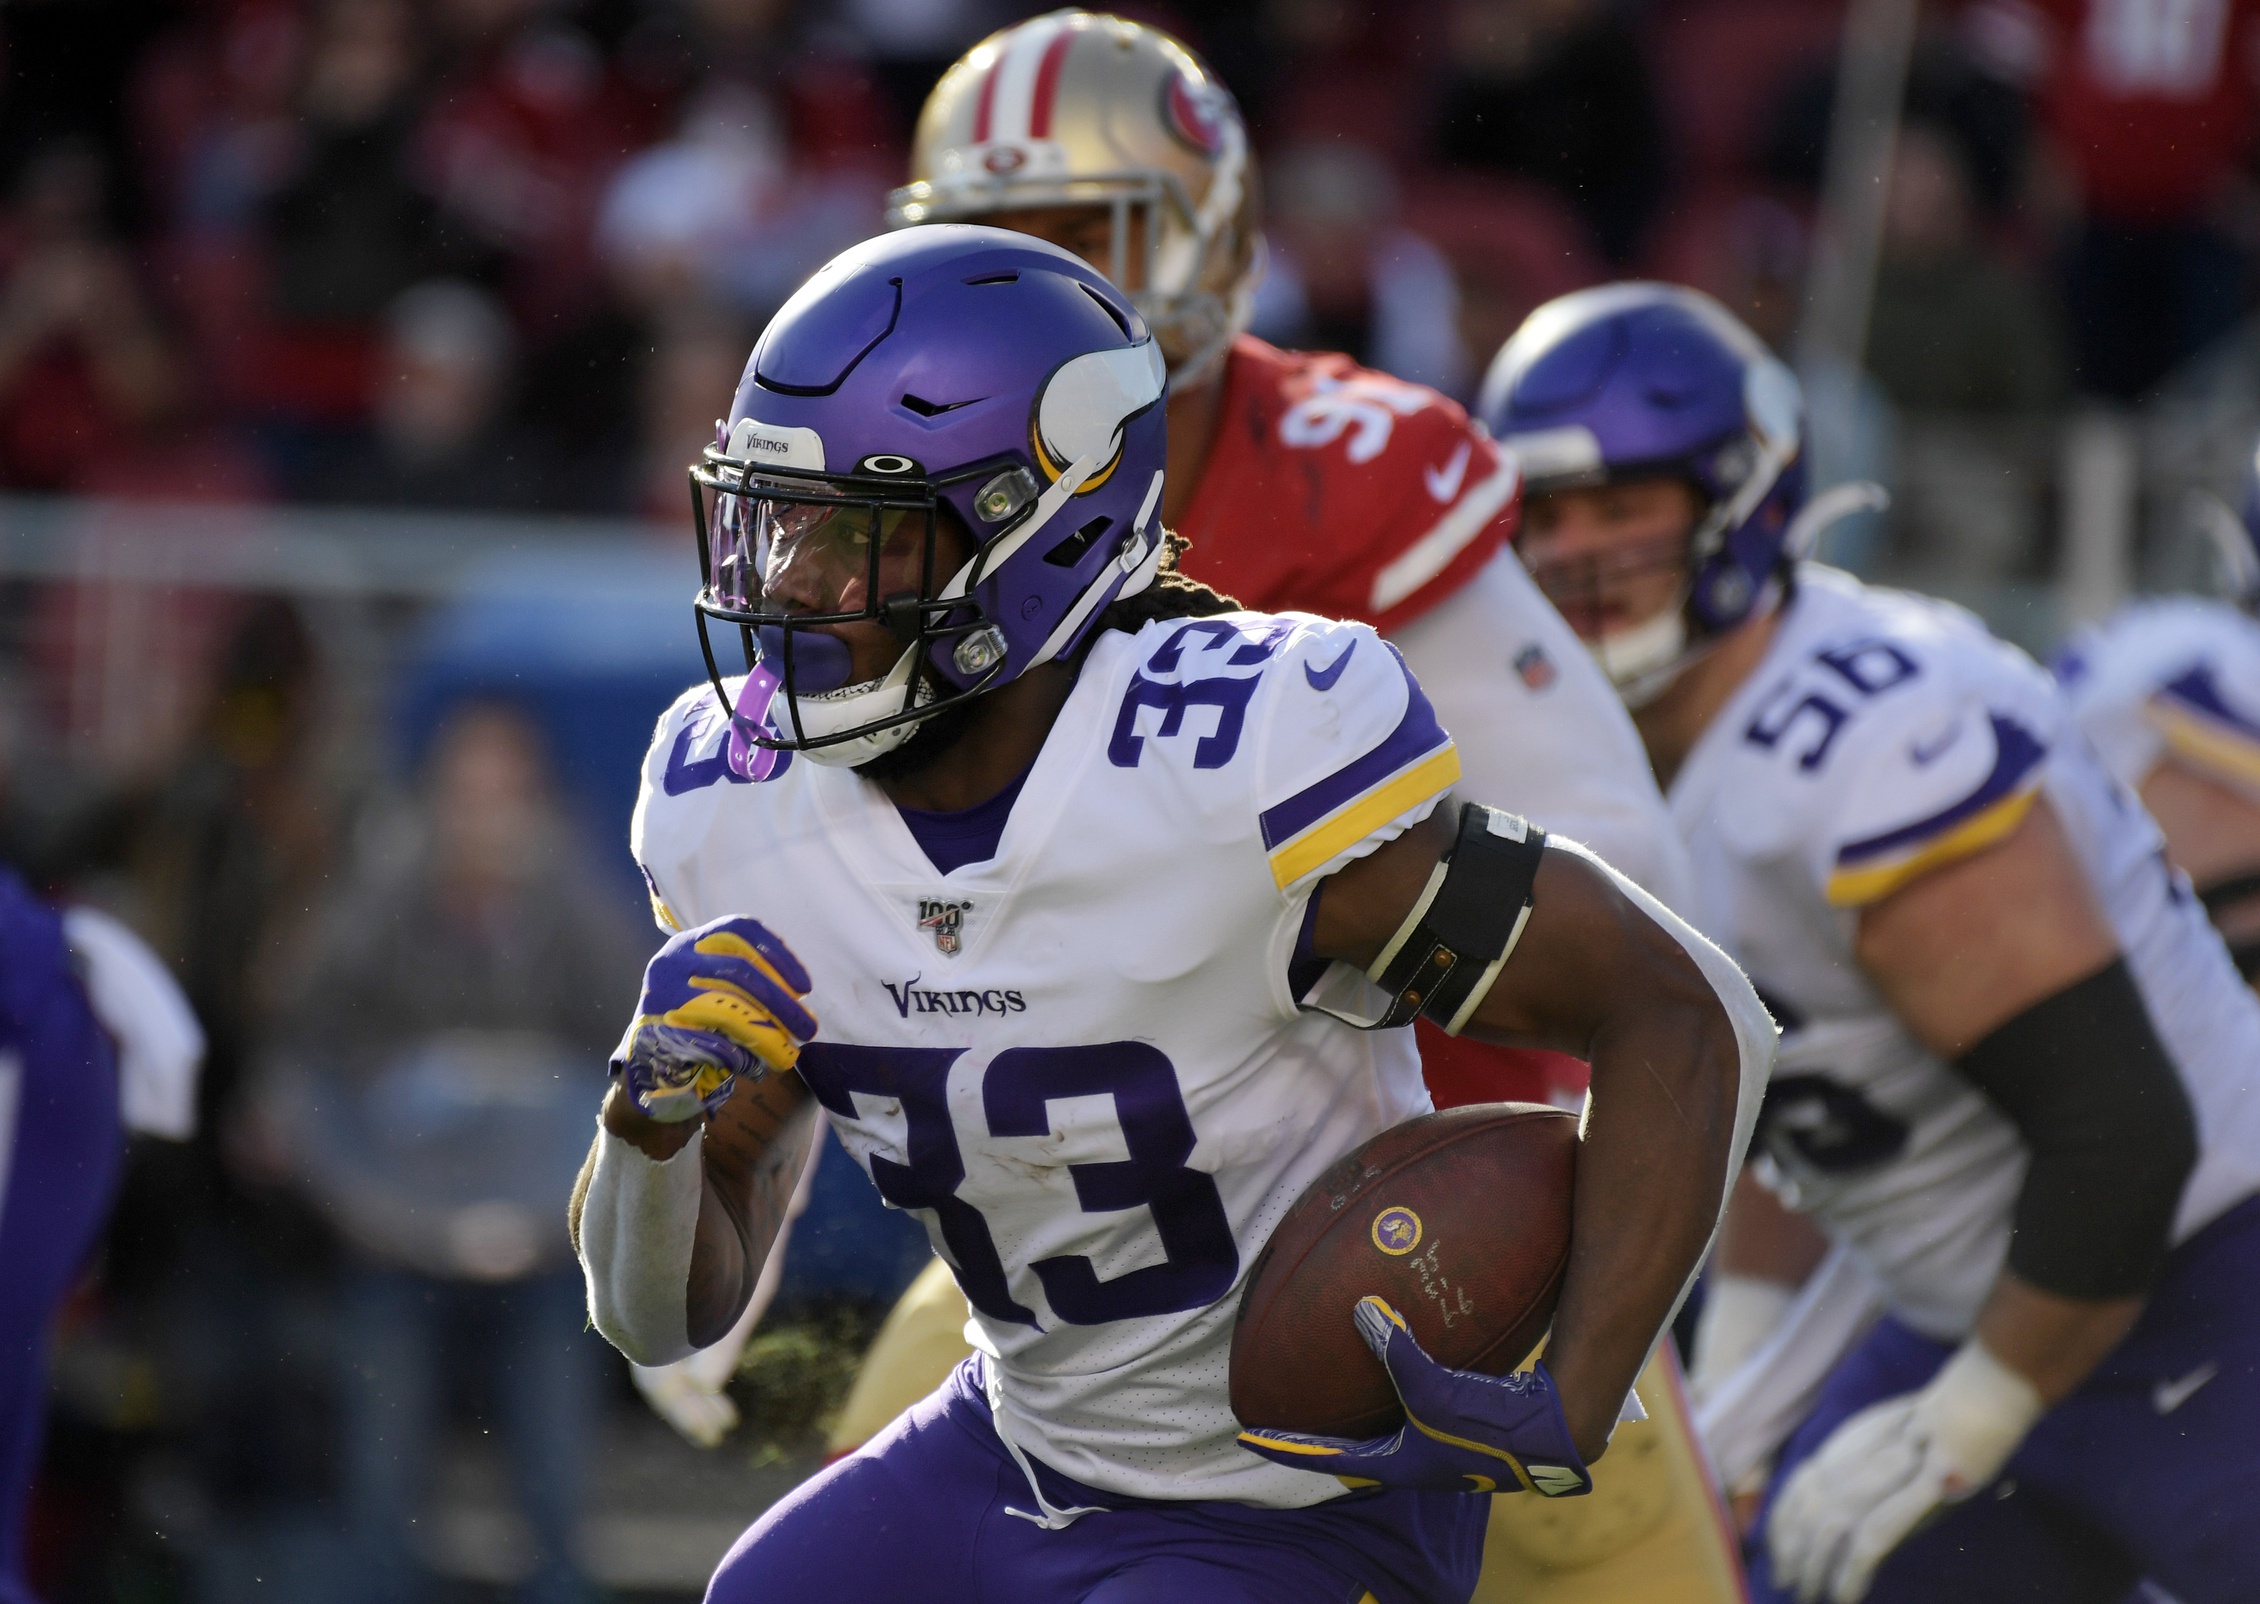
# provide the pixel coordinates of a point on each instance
(1100, 1094)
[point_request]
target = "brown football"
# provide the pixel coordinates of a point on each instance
(1460, 1219)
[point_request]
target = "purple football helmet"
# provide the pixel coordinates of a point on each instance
(941, 373)
(1642, 381)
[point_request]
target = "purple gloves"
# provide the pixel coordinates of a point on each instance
(1463, 1432)
(719, 1001)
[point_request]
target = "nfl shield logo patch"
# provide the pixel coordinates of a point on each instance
(946, 920)
(1535, 667)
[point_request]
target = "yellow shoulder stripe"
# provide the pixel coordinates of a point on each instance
(2205, 743)
(1352, 823)
(1852, 888)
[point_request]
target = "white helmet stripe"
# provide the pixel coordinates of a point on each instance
(1017, 75)
(1136, 557)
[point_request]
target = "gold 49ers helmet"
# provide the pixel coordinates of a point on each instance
(1078, 109)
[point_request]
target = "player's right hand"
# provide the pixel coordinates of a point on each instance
(1463, 1431)
(718, 1002)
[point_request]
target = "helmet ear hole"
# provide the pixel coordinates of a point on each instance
(1071, 551)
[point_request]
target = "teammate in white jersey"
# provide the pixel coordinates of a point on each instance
(2168, 691)
(1055, 856)
(2016, 1084)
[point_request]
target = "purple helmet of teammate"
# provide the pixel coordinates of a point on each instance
(1643, 381)
(945, 380)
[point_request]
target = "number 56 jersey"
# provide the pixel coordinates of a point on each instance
(1080, 1062)
(1883, 735)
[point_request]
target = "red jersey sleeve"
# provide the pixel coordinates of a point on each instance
(1337, 490)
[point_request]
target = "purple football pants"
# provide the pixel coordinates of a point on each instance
(59, 1152)
(924, 1511)
(2150, 1470)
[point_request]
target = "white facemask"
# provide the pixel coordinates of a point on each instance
(824, 713)
(1643, 660)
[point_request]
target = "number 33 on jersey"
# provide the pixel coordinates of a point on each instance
(1081, 1061)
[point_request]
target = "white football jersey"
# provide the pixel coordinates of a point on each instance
(1881, 735)
(1080, 1062)
(1541, 731)
(2177, 676)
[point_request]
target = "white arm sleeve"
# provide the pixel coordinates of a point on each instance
(689, 1394)
(1739, 1313)
(639, 1220)
(160, 1044)
(1540, 730)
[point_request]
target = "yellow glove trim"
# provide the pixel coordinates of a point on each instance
(1514, 1464)
(726, 1011)
(1288, 1447)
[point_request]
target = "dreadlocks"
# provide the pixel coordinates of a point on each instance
(1171, 595)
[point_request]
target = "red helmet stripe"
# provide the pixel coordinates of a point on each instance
(987, 101)
(1047, 83)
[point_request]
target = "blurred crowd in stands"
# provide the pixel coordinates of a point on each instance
(508, 256)
(509, 253)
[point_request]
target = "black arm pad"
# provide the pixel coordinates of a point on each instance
(2098, 1100)
(1450, 947)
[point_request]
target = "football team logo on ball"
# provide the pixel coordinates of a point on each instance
(1396, 1231)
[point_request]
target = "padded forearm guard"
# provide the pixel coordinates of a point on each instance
(2101, 1106)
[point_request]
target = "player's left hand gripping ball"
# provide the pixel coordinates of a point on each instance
(1464, 1432)
(719, 1001)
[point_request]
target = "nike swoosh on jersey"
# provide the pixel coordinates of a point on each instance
(1925, 755)
(1869, 869)
(1322, 679)
(1444, 484)
(2169, 1396)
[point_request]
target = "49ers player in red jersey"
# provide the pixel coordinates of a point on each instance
(1304, 481)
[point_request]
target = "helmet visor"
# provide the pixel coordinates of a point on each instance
(778, 550)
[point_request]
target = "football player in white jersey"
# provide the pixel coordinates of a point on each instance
(1307, 483)
(2168, 690)
(2016, 1082)
(1066, 853)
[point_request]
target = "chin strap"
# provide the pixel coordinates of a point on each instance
(1643, 662)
